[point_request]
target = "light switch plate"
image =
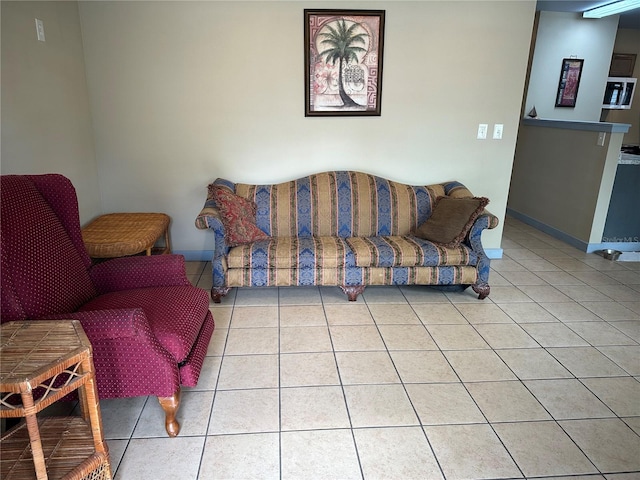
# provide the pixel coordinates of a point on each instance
(482, 131)
(40, 30)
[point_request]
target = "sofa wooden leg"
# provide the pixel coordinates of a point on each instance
(352, 291)
(170, 406)
(218, 292)
(482, 290)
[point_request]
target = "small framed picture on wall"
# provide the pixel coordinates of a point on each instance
(569, 82)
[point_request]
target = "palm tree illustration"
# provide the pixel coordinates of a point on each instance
(341, 43)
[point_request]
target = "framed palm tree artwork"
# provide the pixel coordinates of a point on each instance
(343, 62)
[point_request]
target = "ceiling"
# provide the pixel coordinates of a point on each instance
(629, 19)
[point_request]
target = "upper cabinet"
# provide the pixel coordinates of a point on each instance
(622, 64)
(618, 94)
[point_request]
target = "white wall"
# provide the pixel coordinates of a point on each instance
(46, 122)
(565, 35)
(185, 92)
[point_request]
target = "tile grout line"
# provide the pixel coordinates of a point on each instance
(344, 393)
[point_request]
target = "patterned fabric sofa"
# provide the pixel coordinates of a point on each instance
(342, 228)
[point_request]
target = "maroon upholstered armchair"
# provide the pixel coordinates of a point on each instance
(148, 325)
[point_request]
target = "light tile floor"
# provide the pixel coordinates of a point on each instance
(539, 380)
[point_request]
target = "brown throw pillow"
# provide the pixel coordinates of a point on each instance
(238, 216)
(451, 220)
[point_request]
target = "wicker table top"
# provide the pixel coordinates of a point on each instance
(122, 234)
(29, 349)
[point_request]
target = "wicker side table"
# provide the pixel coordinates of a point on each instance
(41, 362)
(121, 234)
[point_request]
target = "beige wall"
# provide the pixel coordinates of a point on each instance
(185, 92)
(181, 93)
(563, 180)
(628, 41)
(46, 122)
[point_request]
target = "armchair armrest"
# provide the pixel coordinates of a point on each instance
(125, 351)
(102, 325)
(139, 272)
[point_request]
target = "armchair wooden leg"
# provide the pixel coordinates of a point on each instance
(170, 406)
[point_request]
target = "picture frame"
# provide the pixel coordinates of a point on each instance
(569, 82)
(343, 53)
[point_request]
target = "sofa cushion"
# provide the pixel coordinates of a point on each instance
(407, 251)
(238, 216)
(292, 252)
(282, 277)
(451, 220)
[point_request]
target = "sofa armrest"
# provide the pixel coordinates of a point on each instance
(485, 221)
(139, 272)
(208, 215)
(210, 218)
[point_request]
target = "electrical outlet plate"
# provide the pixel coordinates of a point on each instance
(482, 131)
